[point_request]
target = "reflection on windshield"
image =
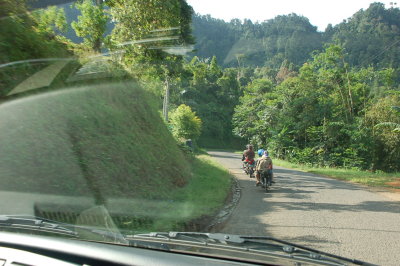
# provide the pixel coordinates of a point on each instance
(132, 116)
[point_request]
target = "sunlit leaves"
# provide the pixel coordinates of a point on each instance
(51, 19)
(185, 123)
(91, 25)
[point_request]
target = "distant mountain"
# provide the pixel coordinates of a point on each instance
(370, 37)
(290, 37)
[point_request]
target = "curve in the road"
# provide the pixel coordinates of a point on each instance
(322, 213)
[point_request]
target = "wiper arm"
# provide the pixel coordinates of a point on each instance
(291, 248)
(41, 224)
(253, 243)
(34, 223)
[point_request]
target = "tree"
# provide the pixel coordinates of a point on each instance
(22, 39)
(91, 25)
(185, 123)
(50, 20)
(152, 33)
(255, 114)
(384, 118)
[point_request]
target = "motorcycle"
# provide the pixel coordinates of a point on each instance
(249, 169)
(266, 179)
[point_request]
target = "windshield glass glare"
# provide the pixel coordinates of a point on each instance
(121, 118)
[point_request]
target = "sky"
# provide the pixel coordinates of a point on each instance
(319, 12)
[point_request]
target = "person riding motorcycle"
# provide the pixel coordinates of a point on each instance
(260, 152)
(263, 165)
(248, 160)
(248, 154)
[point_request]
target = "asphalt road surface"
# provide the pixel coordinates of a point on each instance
(322, 213)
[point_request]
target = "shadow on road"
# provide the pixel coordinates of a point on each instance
(370, 206)
(318, 212)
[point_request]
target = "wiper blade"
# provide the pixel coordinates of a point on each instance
(253, 243)
(28, 222)
(44, 225)
(34, 223)
(292, 248)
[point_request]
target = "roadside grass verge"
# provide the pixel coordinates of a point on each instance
(188, 208)
(377, 179)
(208, 187)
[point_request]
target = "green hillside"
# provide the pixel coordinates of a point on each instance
(106, 138)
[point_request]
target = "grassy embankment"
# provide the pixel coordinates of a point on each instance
(106, 143)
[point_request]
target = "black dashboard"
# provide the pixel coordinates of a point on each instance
(21, 249)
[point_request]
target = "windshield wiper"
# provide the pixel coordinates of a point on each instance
(33, 223)
(252, 243)
(38, 224)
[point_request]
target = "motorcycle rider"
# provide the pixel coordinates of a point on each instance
(260, 152)
(263, 165)
(249, 154)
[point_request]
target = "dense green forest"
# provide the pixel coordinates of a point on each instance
(370, 37)
(323, 98)
(269, 43)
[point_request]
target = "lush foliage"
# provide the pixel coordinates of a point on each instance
(185, 123)
(370, 37)
(91, 25)
(327, 115)
(290, 37)
(151, 34)
(327, 98)
(50, 20)
(25, 36)
(213, 93)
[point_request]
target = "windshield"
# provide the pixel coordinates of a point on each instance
(251, 118)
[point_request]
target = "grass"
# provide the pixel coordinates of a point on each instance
(189, 207)
(208, 188)
(377, 179)
(107, 136)
(107, 141)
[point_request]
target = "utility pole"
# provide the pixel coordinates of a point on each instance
(166, 100)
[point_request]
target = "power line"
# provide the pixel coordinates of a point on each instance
(375, 56)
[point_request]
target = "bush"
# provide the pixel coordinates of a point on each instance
(185, 123)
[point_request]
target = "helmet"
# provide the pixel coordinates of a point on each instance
(260, 152)
(266, 153)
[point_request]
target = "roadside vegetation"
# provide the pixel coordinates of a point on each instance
(309, 97)
(368, 178)
(101, 136)
(373, 179)
(195, 205)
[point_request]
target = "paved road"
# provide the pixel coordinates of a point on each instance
(322, 213)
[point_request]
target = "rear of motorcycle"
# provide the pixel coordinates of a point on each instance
(249, 169)
(266, 179)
